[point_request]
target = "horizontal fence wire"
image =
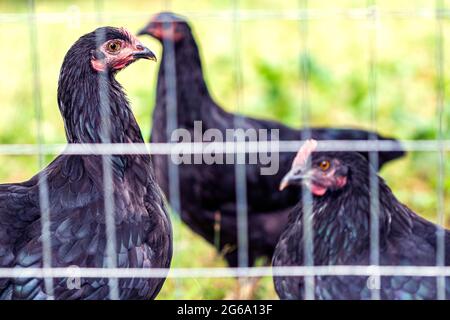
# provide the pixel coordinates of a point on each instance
(73, 14)
(221, 272)
(223, 147)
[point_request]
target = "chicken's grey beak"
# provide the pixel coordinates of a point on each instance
(294, 176)
(284, 183)
(149, 29)
(143, 31)
(145, 53)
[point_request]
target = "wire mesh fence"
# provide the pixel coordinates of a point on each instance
(303, 15)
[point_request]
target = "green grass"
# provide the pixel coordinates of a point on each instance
(337, 60)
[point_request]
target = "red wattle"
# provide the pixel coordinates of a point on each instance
(318, 190)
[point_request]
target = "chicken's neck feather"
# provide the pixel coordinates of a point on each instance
(87, 101)
(192, 95)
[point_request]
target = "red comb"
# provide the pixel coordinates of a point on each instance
(303, 154)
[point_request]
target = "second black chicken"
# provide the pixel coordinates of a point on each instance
(207, 192)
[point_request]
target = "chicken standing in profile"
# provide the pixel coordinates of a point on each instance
(76, 187)
(208, 193)
(340, 186)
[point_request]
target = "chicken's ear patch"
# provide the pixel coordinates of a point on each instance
(173, 34)
(341, 181)
(97, 60)
(98, 65)
(303, 154)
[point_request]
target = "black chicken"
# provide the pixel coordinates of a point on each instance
(339, 183)
(208, 194)
(76, 186)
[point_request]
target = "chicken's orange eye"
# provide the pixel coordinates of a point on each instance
(324, 165)
(113, 46)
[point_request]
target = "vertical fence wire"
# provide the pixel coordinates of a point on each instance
(240, 169)
(108, 180)
(440, 101)
(374, 280)
(306, 196)
(44, 200)
(168, 63)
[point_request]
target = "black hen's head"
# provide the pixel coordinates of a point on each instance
(167, 26)
(324, 172)
(106, 49)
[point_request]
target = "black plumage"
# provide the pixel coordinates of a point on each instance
(341, 191)
(208, 194)
(76, 186)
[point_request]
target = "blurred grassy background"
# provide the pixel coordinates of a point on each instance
(338, 90)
